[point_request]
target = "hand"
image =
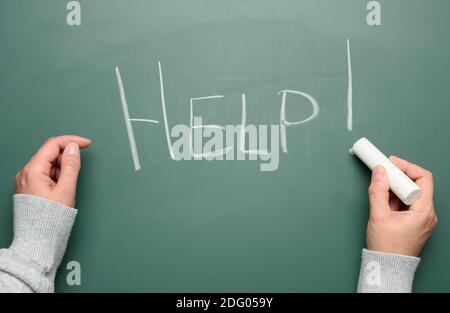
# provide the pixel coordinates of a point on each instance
(52, 173)
(394, 227)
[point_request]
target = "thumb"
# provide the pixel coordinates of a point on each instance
(70, 167)
(379, 191)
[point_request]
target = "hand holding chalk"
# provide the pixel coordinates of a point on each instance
(403, 187)
(393, 226)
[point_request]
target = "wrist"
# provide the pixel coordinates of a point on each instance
(411, 252)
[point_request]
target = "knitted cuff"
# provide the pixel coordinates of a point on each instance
(41, 230)
(386, 272)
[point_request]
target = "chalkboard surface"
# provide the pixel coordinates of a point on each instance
(226, 225)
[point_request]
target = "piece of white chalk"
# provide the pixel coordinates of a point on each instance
(401, 185)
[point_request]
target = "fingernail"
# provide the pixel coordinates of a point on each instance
(378, 173)
(87, 139)
(73, 149)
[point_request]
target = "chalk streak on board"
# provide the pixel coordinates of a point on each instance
(163, 103)
(143, 120)
(213, 126)
(134, 153)
(208, 154)
(242, 131)
(284, 123)
(350, 90)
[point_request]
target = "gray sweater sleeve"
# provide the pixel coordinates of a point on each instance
(386, 272)
(41, 231)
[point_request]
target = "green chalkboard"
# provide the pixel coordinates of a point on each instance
(226, 225)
